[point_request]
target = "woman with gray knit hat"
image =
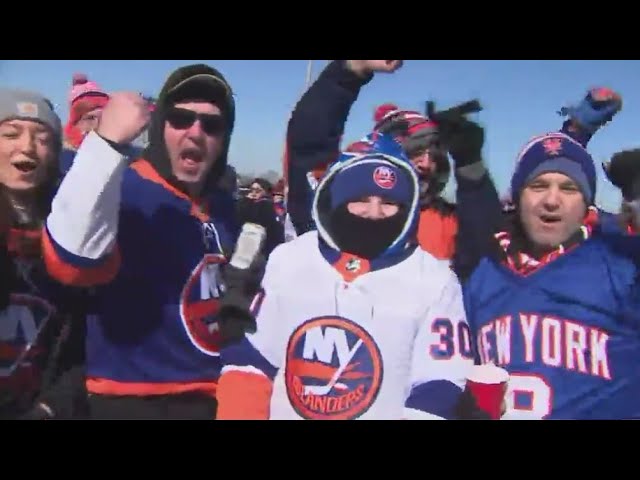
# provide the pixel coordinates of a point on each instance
(35, 312)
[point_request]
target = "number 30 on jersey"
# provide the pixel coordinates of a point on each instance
(454, 338)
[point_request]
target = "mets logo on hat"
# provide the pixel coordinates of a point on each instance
(333, 369)
(384, 177)
(552, 146)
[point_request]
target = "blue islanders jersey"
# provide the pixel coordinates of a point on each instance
(30, 322)
(569, 333)
(154, 255)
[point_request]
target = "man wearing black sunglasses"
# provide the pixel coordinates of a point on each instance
(152, 237)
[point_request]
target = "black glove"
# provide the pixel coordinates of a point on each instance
(467, 408)
(623, 171)
(241, 287)
(461, 137)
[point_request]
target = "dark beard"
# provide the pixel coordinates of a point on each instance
(363, 237)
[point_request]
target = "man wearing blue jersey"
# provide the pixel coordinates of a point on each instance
(556, 302)
(152, 238)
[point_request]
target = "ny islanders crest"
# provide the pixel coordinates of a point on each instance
(333, 369)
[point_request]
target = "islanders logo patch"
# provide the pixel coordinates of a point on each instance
(200, 302)
(21, 325)
(384, 177)
(333, 369)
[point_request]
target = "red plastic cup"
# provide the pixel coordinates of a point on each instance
(488, 385)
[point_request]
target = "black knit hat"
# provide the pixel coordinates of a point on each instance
(203, 83)
(192, 82)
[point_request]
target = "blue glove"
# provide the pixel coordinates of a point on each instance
(597, 109)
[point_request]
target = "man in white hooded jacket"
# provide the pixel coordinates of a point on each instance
(354, 321)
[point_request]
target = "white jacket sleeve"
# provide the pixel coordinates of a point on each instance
(85, 211)
(442, 357)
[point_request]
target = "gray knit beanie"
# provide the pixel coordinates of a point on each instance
(26, 105)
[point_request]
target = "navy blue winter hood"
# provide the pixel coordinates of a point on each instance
(384, 171)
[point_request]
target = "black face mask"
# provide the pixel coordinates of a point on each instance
(364, 237)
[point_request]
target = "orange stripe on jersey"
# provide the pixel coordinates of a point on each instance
(243, 396)
(146, 171)
(103, 386)
(351, 267)
(78, 276)
(317, 370)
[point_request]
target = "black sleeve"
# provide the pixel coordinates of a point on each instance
(480, 217)
(580, 135)
(314, 134)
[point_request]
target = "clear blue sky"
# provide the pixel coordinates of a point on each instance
(520, 98)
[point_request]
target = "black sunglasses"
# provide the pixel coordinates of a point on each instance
(181, 119)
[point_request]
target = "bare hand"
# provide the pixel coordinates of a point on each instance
(366, 67)
(124, 118)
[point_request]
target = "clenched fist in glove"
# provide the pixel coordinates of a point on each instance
(597, 109)
(462, 138)
(235, 317)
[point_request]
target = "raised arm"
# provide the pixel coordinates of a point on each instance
(80, 237)
(594, 111)
(316, 128)
(479, 208)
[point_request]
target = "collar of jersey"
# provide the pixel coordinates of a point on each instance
(145, 170)
(351, 267)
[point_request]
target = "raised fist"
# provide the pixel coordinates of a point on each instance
(605, 95)
(596, 109)
(124, 118)
(366, 67)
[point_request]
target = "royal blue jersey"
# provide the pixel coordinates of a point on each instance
(152, 255)
(569, 333)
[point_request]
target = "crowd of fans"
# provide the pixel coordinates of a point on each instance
(147, 282)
